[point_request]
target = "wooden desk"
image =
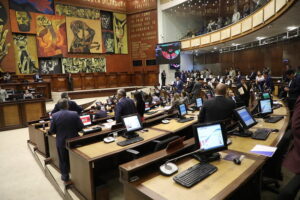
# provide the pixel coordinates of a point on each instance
(38, 137)
(85, 160)
(16, 114)
(217, 186)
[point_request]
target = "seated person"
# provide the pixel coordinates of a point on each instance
(6, 77)
(72, 105)
(37, 77)
(176, 101)
(3, 94)
(125, 106)
(268, 83)
(184, 98)
(217, 108)
(99, 113)
(155, 99)
(237, 100)
(236, 16)
(27, 95)
(140, 104)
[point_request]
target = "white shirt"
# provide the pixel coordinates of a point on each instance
(236, 17)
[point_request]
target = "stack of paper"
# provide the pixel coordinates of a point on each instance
(264, 150)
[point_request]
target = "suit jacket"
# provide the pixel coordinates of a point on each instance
(179, 86)
(125, 106)
(100, 114)
(294, 88)
(72, 107)
(65, 124)
(197, 88)
(292, 160)
(140, 106)
(268, 84)
(246, 96)
(252, 76)
(218, 108)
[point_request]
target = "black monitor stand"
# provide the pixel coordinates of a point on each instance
(129, 135)
(206, 158)
(242, 132)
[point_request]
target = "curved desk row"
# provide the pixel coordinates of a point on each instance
(222, 184)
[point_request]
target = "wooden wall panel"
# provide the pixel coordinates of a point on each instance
(112, 80)
(118, 63)
(11, 115)
(89, 82)
(33, 111)
(100, 80)
(77, 82)
(59, 83)
(138, 79)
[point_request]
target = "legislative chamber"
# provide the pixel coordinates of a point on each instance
(150, 99)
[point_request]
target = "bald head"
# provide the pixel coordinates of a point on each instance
(221, 89)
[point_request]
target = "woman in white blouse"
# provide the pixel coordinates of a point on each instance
(259, 80)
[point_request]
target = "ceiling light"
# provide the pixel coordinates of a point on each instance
(215, 47)
(234, 44)
(260, 38)
(290, 28)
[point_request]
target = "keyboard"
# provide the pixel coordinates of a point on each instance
(185, 120)
(275, 106)
(130, 141)
(91, 130)
(261, 134)
(273, 119)
(151, 112)
(194, 174)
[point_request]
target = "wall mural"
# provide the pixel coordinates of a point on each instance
(84, 35)
(37, 6)
(22, 22)
(51, 35)
(3, 33)
(26, 54)
(120, 33)
(87, 65)
(50, 66)
(75, 11)
(107, 31)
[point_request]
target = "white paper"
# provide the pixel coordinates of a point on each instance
(264, 150)
(241, 91)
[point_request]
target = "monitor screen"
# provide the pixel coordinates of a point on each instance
(210, 137)
(147, 106)
(266, 95)
(265, 106)
(86, 120)
(199, 102)
(245, 117)
(132, 122)
(182, 109)
(168, 53)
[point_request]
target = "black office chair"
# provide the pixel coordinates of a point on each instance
(272, 169)
(290, 190)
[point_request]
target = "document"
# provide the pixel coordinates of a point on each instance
(264, 150)
(241, 91)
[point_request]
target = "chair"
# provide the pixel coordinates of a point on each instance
(272, 169)
(290, 190)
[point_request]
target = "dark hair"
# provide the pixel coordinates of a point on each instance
(138, 96)
(290, 72)
(63, 104)
(64, 95)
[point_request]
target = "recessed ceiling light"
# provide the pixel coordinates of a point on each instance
(234, 44)
(215, 47)
(290, 28)
(260, 38)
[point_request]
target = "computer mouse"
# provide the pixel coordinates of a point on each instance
(168, 169)
(275, 130)
(109, 139)
(145, 130)
(165, 121)
(237, 161)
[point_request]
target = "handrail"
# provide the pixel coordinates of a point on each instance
(253, 22)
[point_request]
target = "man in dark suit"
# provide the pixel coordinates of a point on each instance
(217, 108)
(65, 124)
(268, 83)
(178, 85)
(252, 75)
(244, 91)
(125, 106)
(293, 89)
(99, 113)
(197, 88)
(72, 104)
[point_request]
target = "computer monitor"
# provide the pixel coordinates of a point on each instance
(182, 110)
(86, 120)
(265, 106)
(199, 102)
(245, 118)
(211, 138)
(266, 95)
(132, 123)
(147, 106)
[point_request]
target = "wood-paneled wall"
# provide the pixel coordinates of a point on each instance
(271, 56)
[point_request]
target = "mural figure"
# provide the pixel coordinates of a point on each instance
(37, 6)
(23, 20)
(25, 63)
(120, 35)
(50, 66)
(3, 33)
(83, 38)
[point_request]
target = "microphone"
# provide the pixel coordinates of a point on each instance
(169, 168)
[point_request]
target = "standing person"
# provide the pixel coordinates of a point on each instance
(177, 73)
(244, 91)
(73, 106)
(259, 80)
(65, 124)
(178, 85)
(268, 83)
(252, 75)
(163, 78)
(140, 104)
(293, 88)
(37, 77)
(125, 106)
(70, 82)
(236, 16)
